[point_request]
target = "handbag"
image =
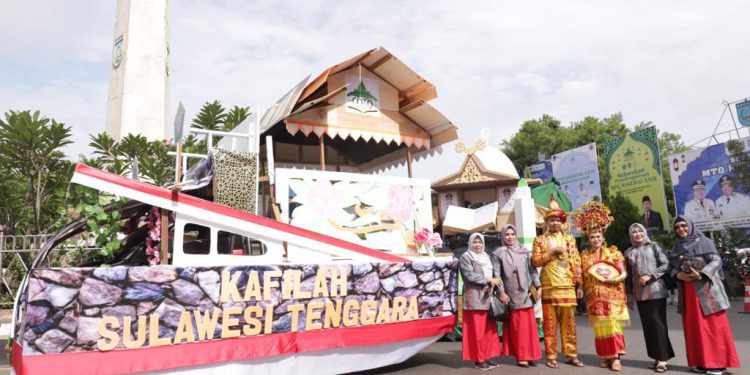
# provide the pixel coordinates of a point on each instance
(498, 311)
(669, 282)
(695, 262)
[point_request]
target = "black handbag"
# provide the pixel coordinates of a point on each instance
(669, 281)
(695, 262)
(498, 311)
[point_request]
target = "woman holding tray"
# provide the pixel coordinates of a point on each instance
(702, 300)
(603, 275)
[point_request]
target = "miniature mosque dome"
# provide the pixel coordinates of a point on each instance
(495, 161)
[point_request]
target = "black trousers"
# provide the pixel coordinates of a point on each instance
(654, 321)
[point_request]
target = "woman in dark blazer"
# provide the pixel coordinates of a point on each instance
(480, 338)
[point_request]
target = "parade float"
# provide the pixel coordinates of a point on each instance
(339, 278)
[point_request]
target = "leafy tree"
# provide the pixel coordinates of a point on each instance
(592, 129)
(155, 165)
(34, 163)
(235, 117)
(625, 213)
(543, 135)
(211, 116)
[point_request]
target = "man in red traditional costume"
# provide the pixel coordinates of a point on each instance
(557, 254)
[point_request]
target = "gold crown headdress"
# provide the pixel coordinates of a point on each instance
(591, 216)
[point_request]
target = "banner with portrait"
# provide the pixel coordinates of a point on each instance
(634, 170)
(704, 188)
(541, 170)
(577, 172)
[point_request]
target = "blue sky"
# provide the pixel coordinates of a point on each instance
(495, 64)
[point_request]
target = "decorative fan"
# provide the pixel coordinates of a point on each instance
(603, 271)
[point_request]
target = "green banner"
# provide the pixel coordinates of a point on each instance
(634, 170)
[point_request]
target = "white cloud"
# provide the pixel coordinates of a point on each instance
(495, 64)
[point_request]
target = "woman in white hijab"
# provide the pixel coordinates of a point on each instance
(480, 338)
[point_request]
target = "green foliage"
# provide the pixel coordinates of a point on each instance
(547, 136)
(154, 164)
(101, 228)
(625, 213)
(211, 116)
(34, 171)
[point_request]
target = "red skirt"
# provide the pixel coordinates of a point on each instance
(521, 336)
(708, 339)
(480, 339)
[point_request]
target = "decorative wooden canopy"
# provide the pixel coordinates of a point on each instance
(366, 113)
(484, 167)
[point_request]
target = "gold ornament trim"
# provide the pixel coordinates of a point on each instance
(470, 174)
(479, 145)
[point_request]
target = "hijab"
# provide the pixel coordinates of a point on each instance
(514, 257)
(481, 257)
(639, 260)
(695, 243)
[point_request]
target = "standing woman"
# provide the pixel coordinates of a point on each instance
(480, 338)
(702, 300)
(647, 263)
(519, 276)
(606, 302)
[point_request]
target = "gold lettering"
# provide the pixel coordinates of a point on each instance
(228, 323)
(269, 283)
(384, 312)
(399, 304)
(295, 309)
(332, 315)
(108, 333)
(351, 320)
(252, 289)
(338, 281)
(229, 291)
(153, 332)
(313, 315)
(298, 293)
(268, 322)
(413, 313)
(286, 287)
(366, 315)
(206, 324)
(140, 336)
(253, 326)
(321, 285)
(184, 328)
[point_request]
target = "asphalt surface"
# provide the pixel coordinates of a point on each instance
(445, 357)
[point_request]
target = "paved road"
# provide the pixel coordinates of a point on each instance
(445, 357)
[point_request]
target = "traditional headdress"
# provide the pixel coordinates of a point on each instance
(555, 210)
(593, 216)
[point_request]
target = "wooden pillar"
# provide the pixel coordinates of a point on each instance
(408, 161)
(322, 152)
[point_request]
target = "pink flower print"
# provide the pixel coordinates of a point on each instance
(400, 202)
(324, 198)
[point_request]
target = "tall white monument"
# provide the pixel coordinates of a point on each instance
(138, 100)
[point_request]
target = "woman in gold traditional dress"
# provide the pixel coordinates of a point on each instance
(605, 293)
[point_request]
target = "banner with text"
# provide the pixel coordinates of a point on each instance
(704, 189)
(274, 309)
(541, 170)
(577, 172)
(634, 170)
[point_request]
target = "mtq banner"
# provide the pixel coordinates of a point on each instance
(634, 170)
(704, 188)
(577, 172)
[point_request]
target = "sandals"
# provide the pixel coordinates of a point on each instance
(552, 364)
(604, 363)
(575, 362)
(661, 369)
(523, 364)
(616, 365)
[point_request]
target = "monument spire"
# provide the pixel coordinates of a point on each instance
(138, 100)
